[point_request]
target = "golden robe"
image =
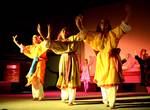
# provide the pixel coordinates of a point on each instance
(69, 74)
(37, 50)
(106, 74)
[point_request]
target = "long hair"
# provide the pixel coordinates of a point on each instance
(106, 22)
(107, 28)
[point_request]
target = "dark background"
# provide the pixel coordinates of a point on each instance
(22, 16)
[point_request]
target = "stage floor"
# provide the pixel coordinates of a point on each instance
(84, 101)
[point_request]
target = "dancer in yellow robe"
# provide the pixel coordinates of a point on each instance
(104, 41)
(37, 50)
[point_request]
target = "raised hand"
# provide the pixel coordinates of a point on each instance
(39, 31)
(15, 41)
(128, 8)
(19, 45)
(79, 22)
(128, 12)
(14, 38)
(49, 31)
(39, 28)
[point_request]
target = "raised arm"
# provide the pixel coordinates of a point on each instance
(48, 32)
(79, 22)
(128, 13)
(39, 31)
(19, 45)
(124, 24)
(15, 41)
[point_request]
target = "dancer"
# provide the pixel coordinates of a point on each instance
(85, 76)
(69, 74)
(104, 41)
(37, 51)
(63, 68)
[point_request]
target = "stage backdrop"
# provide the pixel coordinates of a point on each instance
(135, 40)
(131, 43)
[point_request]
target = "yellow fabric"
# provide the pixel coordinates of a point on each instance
(106, 69)
(40, 71)
(36, 50)
(70, 48)
(59, 47)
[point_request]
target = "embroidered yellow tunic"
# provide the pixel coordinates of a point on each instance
(106, 65)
